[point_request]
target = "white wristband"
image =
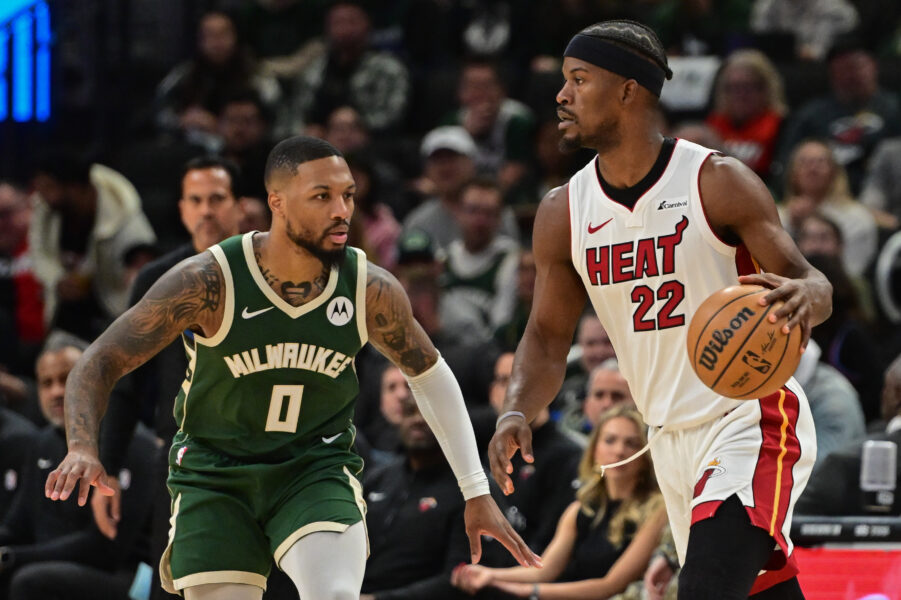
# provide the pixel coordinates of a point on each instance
(441, 402)
(509, 413)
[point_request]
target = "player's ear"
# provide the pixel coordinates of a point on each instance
(276, 203)
(629, 91)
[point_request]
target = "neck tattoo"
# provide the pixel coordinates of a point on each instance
(294, 293)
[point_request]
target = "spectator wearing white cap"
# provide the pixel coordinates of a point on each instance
(449, 153)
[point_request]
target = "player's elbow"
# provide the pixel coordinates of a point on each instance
(540, 339)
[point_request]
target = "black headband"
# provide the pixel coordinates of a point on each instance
(615, 59)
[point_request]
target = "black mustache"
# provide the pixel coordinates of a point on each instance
(337, 226)
(563, 111)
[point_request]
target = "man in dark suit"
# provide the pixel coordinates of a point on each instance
(831, 489)
(44, 543)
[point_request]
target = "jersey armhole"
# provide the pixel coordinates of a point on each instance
(707, 231)
(229, 310)
(360, 300)
(574, 244)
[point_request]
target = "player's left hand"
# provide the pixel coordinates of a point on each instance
(797, 297)
(482, 516)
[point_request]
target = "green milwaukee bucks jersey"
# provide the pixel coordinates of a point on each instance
(275, 378)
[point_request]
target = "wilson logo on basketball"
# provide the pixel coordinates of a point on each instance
(720, 339)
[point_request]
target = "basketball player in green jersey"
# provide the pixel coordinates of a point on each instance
(262, 465)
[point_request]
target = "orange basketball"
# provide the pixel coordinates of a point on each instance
(734, 348)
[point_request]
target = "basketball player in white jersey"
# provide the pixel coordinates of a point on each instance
(646, 231)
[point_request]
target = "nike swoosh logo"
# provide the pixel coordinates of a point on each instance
(44, 463)
(249, 315)
(330, 439)
(595, 229)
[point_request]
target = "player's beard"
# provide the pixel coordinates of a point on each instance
(328, 258)
(604, 139)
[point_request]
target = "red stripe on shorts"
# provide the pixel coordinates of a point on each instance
(768, 579)
(773, 479)
(705, 510)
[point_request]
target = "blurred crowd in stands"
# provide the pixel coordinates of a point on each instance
(445, 112)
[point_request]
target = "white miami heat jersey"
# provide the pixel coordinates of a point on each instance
(646, 271)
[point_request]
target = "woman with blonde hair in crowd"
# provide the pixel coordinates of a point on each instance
(748, 108)
(816, 183)
(604, 539)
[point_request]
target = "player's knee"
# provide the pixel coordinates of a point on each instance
(343, 592)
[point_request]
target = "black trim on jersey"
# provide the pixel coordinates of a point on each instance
(630, 195)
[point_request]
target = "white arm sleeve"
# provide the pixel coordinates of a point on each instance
(440, 400)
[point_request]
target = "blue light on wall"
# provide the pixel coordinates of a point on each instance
(4, 67)
(42, 62)
(25, 39)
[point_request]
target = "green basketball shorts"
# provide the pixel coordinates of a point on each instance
(230, 518)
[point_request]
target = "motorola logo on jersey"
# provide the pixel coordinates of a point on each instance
(340, 311)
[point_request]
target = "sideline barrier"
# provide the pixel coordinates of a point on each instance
(854, 558)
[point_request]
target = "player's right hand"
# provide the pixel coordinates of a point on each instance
(78, 466)
(108, 510)
(513, 433)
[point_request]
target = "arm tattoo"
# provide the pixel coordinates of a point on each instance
(392, 328)
(176, 302)
(395, 338)
(188, 296)
(415, 359)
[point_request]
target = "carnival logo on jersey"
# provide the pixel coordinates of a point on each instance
(672, 203)
(340, 311)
